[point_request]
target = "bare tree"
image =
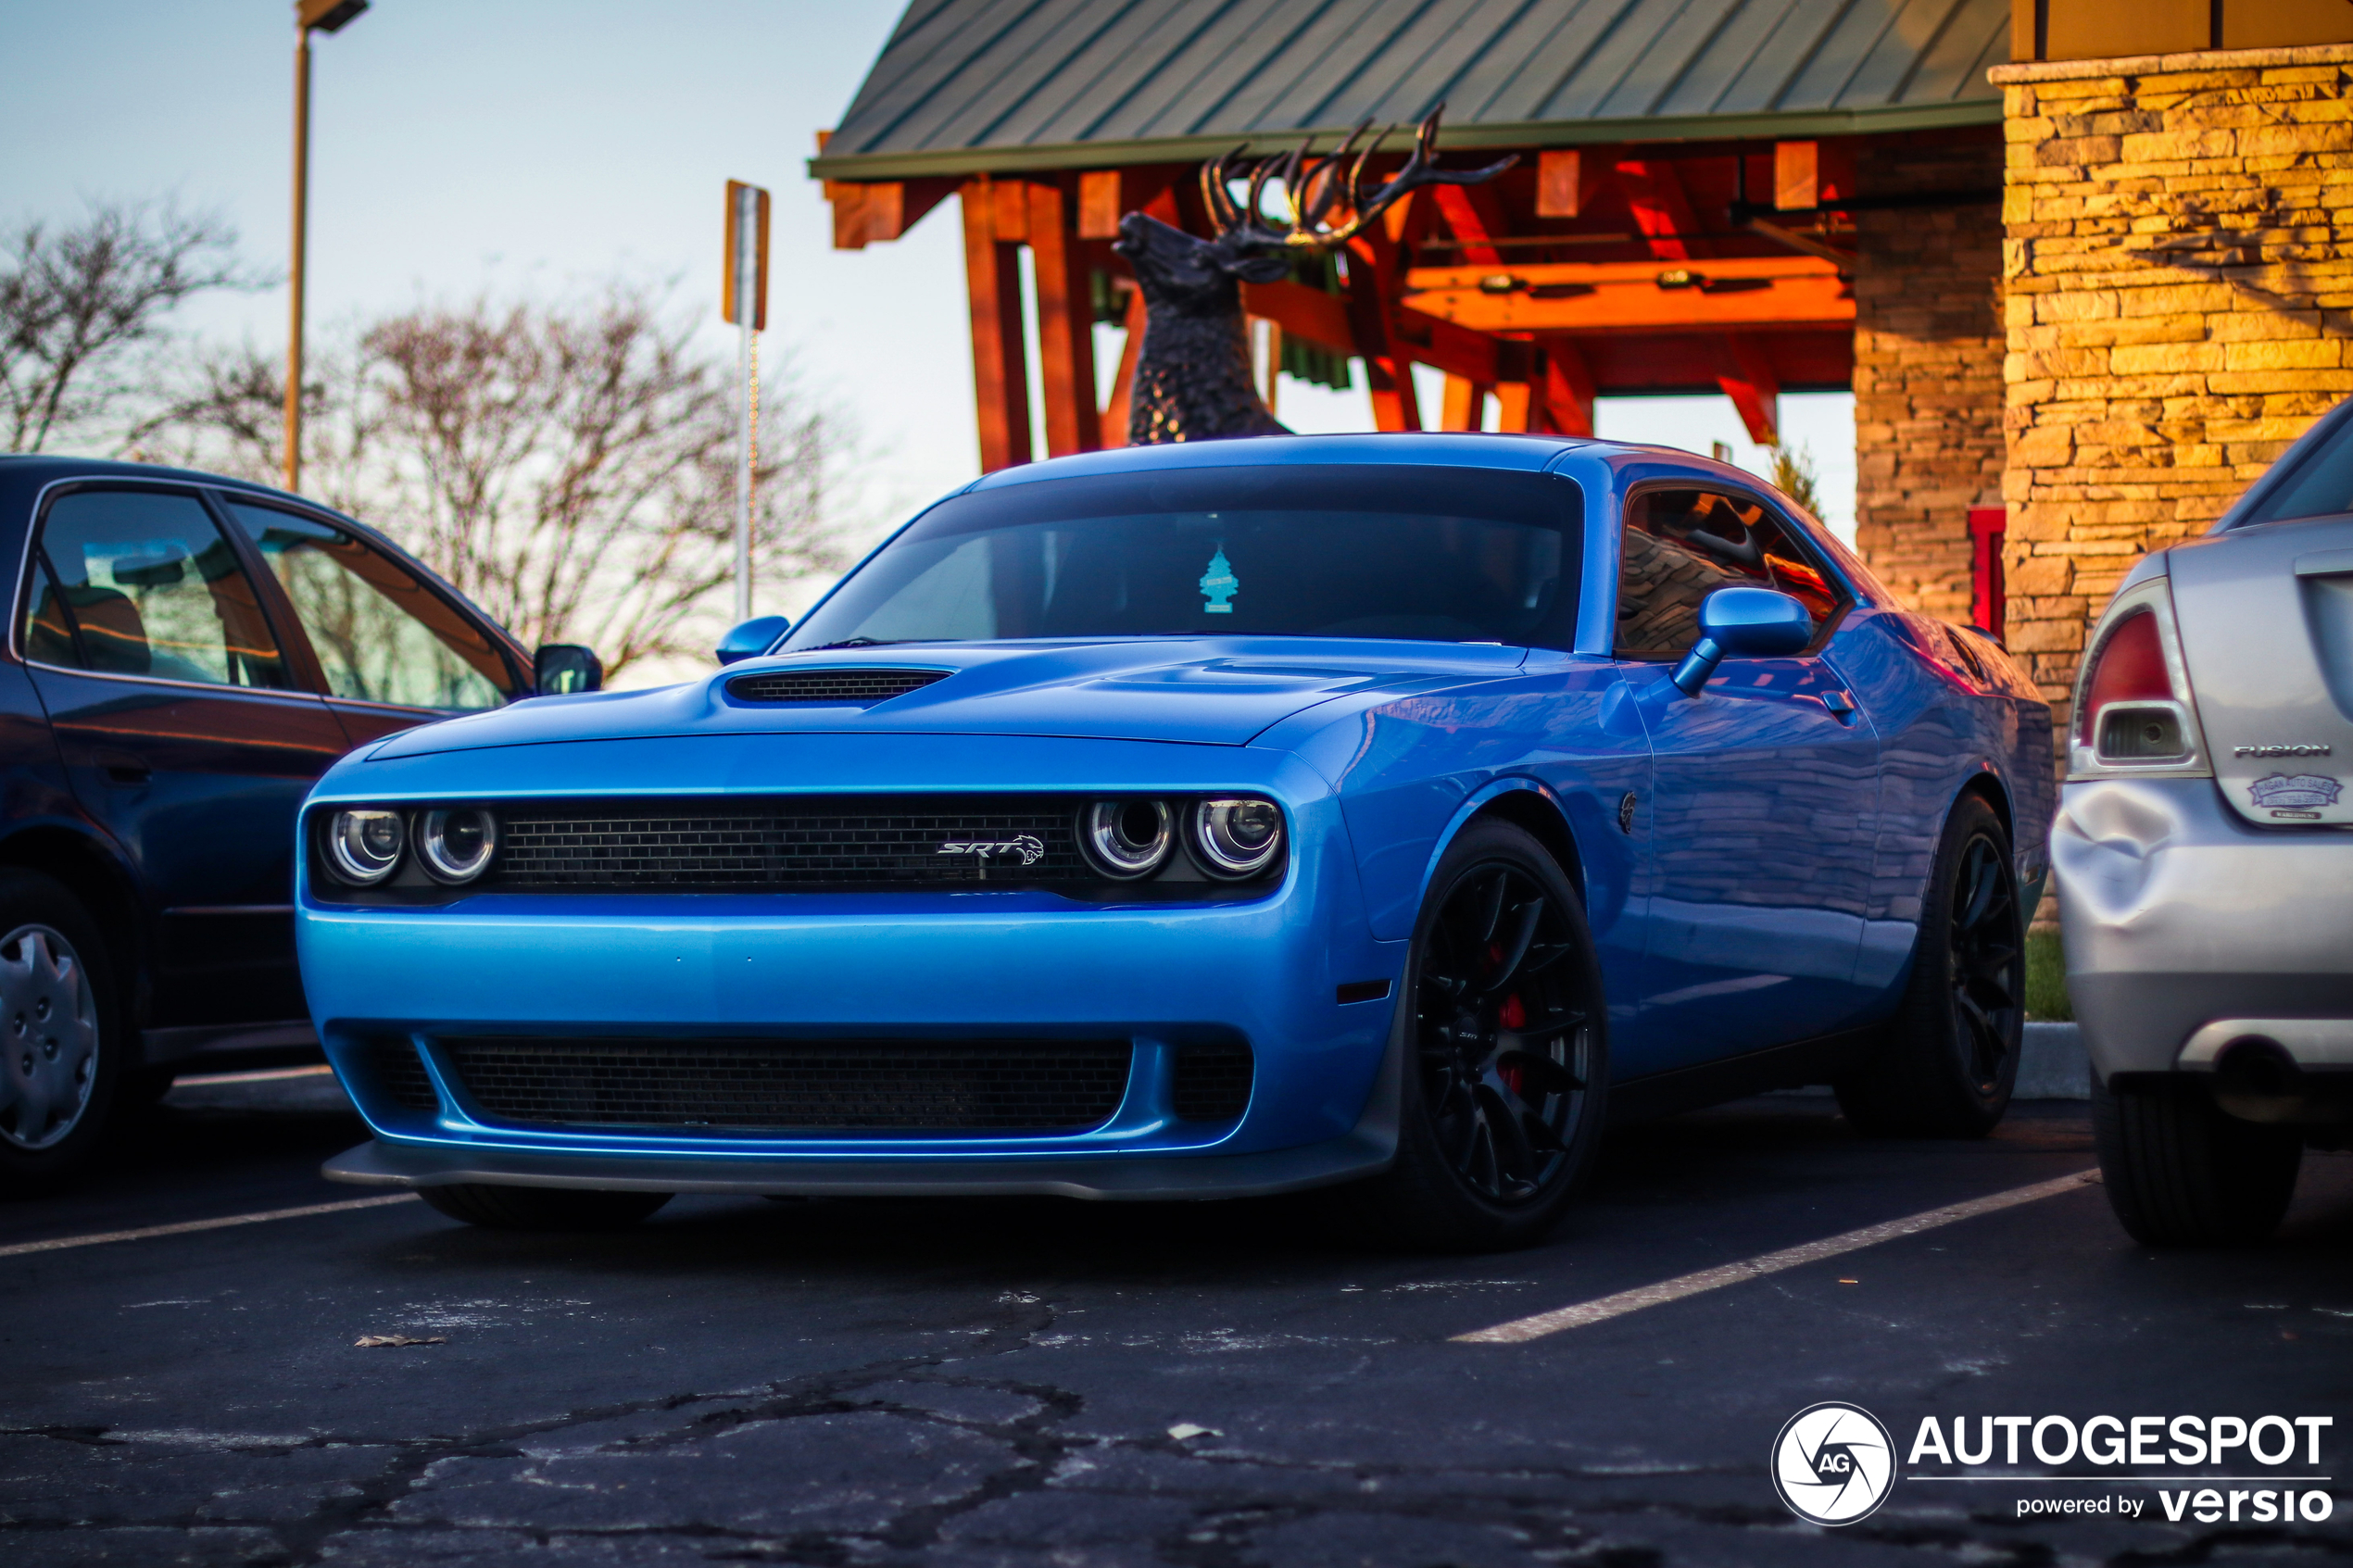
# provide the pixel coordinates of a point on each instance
(571, 467)
(82, 306)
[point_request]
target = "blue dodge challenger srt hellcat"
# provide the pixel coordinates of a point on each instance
(1201, 820)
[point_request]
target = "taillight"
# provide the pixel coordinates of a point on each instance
(2128, 663)
(2130, 709)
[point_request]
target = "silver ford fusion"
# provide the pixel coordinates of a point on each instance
(2204, 855)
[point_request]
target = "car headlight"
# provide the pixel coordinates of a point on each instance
(364, 847)
(456, 845)
(1237, 837)
(1126, 838)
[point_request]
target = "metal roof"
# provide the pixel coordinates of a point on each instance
(968, 85)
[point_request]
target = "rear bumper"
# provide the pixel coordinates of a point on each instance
(2186, 928)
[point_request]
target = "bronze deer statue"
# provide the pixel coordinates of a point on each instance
(1193, 379)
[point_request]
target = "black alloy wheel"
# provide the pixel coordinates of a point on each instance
(1952, 1055)
(1986, 967)
(1505, 1060)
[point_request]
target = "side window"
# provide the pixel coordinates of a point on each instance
(141, 582)
(381, 635)
(1678, 546)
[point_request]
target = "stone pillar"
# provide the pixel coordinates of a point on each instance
(1928, 362)
(2178, 269)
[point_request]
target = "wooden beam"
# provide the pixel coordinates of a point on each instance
(1475, 216)
(1065, 322)
(1123, 381)
(1569, 389)
(1655, 194)
(1465, 401)
(1748, 379)
(1559, 191)
(1580, 297)
(1441, 344)
(1319, 318)
(1372, 275)
(1001, 371)
(1796, 181)
(1098, 210)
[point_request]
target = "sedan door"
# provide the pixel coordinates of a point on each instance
(1765, 792)
(185, 732)
(395, 652)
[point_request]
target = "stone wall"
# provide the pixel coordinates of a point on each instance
(2178, 285)
(1928, 362)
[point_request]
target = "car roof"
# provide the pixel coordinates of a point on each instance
(50, 465)
(1429, 448)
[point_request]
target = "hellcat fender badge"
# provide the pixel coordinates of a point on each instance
(1027, 847)
(2274, 791)
(2299, 749)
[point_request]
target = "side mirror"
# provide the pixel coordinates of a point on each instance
(1743, 623)
(561, 669)
(752, 638)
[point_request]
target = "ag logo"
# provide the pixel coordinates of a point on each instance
(1833, 1464)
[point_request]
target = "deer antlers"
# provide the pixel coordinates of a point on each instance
(1312, 187)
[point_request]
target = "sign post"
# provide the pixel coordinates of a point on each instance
(743, 301)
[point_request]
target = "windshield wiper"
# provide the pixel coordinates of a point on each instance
(865, 643)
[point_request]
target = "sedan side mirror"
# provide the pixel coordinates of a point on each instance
(1743, 623)
(752, 638)
(562, 669)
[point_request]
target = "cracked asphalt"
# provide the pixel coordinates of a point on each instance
(1054, 1383)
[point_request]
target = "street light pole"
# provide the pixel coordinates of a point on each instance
(743, 300)
(322, 16)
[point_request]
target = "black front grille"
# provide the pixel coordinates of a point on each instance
(400, 1076)
(868, 841)
(1212, 1083)
(830, 686)
(794, 1085)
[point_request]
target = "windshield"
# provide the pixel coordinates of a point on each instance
(1427, 554)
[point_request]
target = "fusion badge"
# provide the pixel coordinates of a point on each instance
(1833, 1464)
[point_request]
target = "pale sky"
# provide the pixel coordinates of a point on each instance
(459, 148)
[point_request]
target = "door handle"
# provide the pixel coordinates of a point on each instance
(125, 768)
(1842, 706)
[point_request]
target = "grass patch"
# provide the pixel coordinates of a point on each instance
(2047, 999)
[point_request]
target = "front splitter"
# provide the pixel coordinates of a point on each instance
(1134, 1179)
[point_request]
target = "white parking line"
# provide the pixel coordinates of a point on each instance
(266, 1075)
(186, 1227)
(1523, 1329)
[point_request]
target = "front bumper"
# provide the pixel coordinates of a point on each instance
(921, 966)
(2188, 930)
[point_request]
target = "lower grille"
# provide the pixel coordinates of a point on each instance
(793, 1086)
(1212, 1083)
(401, 1077)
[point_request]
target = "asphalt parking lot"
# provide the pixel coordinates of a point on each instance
(1044, 1382)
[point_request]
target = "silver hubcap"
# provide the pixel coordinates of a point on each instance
(49, 1032)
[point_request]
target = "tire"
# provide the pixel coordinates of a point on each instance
(60, 1031)
(2181, 1172)
(1950, 1056)
(1479, 1167)
(542, 1209)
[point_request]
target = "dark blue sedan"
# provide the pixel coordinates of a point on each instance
(1383, 812)
(186, 655)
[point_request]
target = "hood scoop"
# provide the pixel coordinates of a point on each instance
(847, 684)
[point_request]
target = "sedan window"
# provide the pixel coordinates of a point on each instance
(380, 634)
(1680, 545)
(141, 582)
